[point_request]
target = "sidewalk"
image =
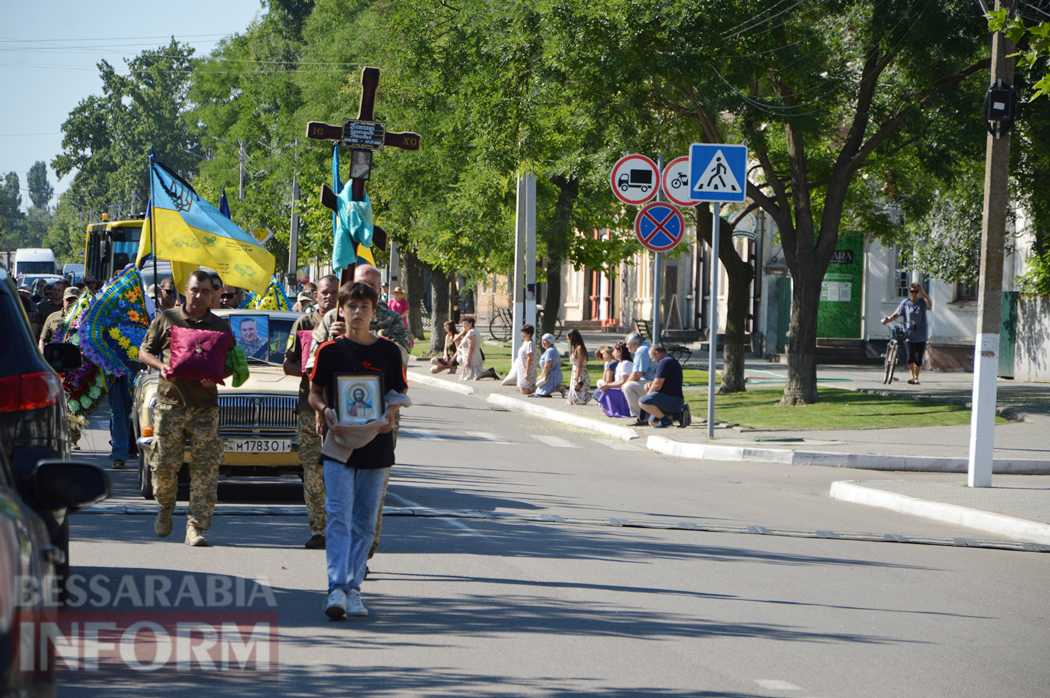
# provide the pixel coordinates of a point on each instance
(1022, 446)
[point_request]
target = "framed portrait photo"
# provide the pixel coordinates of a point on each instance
(359, 397)
(252, 333)
(361, 164)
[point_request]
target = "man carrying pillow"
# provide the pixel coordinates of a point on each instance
(186, 409)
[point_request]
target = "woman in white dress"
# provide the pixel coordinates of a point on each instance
(469, 355)
(525, 366)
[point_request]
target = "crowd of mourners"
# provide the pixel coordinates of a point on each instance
(640, 381)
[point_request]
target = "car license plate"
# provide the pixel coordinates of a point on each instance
(258, 446)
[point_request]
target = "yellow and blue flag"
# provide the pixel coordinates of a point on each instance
(274, 298)
(189, 230)
(180, 271)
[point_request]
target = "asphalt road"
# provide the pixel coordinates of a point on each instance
(529, 583)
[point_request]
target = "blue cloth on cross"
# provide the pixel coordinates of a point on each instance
(351, 221)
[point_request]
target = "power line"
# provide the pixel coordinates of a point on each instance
(764, 21)
(8, 40)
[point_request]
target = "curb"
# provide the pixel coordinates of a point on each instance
(439, 383)
(517, 405)
(854, 493)
(860, 461)
(695, 451)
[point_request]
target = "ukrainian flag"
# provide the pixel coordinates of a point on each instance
(189, 230)
(274, 298)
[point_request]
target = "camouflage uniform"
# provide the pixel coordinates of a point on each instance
(313, 471)
(185, 409)
(309, 441)
(173, 424)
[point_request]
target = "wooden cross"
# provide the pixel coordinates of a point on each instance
(360, 134)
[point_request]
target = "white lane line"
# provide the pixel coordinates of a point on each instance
(422, 434)
(777, 685)
(455, 523)
(486, 436)
(616, 444)
(554, 441)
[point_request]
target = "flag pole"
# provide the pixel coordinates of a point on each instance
(153, 238)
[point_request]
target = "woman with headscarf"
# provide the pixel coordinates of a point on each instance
(550, 369)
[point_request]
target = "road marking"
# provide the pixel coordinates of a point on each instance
(554, 441)
(226, 509)
(777, 685)
(422, 434)
(616, 444)
(486, 436)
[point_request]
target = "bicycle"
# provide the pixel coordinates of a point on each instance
(898, 333)
(502, 322)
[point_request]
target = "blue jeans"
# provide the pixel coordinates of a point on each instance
(667, 404)
(119, 419)
(352, 505)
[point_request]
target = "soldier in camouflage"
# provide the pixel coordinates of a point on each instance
(325, 295)
(186, 409)
(386, 323)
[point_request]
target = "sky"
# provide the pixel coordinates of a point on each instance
(49, 50)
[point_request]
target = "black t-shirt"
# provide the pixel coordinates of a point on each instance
(381, 356)
(671, 371)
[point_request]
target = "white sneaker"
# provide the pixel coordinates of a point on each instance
(354, 605)
(335, 605)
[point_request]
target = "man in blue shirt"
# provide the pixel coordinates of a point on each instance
(664, 393)
(915, 321)
(644, 370)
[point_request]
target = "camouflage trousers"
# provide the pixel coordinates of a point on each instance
(382, 497)
(172, 425)
(313, 471)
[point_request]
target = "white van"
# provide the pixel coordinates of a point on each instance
(34, 261)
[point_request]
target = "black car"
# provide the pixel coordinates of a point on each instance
(28, 561)
(34, 424)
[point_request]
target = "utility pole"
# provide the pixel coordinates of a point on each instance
(242, 158)
(999, 115)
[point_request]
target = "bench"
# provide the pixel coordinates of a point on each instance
(679, 351)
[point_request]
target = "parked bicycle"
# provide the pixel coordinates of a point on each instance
(502, 324)
(898, 333)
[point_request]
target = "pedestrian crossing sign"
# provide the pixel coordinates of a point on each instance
(718, 172)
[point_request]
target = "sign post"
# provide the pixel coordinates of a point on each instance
(717, 173)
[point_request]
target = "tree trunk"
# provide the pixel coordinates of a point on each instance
(736, 317)
(740, 275)
(439, 310)
(801, 387)
(558, 236)
(552, 299)
(414, 293)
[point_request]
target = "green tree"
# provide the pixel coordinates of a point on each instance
(40, 190)
(12, 218)
(107, 138)
(822, 95)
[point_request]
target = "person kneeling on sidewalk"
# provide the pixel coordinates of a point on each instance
(356, 458)
(663, 396)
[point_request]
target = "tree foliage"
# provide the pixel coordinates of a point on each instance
(107, 138)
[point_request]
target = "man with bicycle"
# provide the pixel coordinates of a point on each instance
(915, 313)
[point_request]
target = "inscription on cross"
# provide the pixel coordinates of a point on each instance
(363, 136)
